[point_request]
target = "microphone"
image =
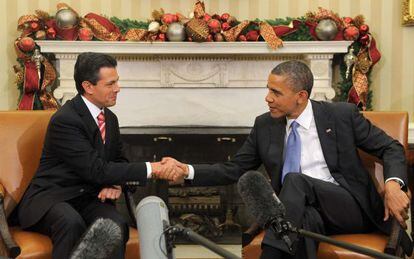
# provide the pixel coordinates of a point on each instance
(99, 241)
(264, 205)
(151, 214)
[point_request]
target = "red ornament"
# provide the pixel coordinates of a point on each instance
(161, 37)
(209, 38)
(51, 34)
(26, 44)
(363, 29)
(252, 36)
(225, 26)
(190, 39)
(85, 34)
(351, 33)
(34, 26)
(242, 38)
(348, 21)
(169, 18)
(207, 17)
(364, 39)
(214, 25)
(224, 17)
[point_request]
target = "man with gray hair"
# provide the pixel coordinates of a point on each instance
(309, 150)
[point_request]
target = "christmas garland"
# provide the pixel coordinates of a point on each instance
(36, 75)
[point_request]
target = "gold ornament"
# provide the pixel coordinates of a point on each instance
(349, 60)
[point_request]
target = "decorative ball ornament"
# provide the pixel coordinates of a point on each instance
(348, 21)
(351, 33)
(225, 26)
(26, 44)
(224, 17)
(242, 37)
(161, 37)
(363, 29)
(218, 37)
(349, 60)
(66, 19)
(85, 34)
(40, 35)
(34, 26)
(326, 29)
(364, 39)
(169, 18)
(214, 25)
(207, 17)
(154, 26)
(176, 32)
(51, 33)
(252, 36)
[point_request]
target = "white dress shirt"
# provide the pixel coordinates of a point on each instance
(95, 111)
(312, 160)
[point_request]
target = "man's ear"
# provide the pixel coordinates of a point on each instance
(87, 86)
(303, 96)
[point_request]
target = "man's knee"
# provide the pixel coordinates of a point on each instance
(294, 178)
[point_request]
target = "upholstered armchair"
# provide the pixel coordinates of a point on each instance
(22, 135)
(394, 124)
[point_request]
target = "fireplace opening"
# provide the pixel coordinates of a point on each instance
(216, 212)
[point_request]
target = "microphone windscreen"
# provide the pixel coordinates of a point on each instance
(259, 197)
(99, 241)
(151, 214)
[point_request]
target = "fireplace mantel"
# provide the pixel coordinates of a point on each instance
(217, 84)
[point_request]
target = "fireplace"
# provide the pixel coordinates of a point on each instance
(168, 87)
(215, 212)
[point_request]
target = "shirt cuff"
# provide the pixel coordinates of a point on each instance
(401, 182)
(149, 169)
(190, 173)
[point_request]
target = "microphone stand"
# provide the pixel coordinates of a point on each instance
(173, 231)
(281, 228)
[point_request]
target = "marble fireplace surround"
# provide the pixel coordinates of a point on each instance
(185, 84)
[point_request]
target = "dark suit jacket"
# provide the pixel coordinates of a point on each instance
(75, 161)
(349, 130)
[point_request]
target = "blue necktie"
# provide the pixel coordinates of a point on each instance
(292, 155)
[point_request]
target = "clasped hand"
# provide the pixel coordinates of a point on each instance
(170, 169)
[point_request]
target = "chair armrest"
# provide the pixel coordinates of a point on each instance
(250, 233)
(13, 250)
(398, 243)
(128, 190)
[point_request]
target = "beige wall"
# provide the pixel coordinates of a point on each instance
(393, 77)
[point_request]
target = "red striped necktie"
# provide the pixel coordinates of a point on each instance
(101, 125)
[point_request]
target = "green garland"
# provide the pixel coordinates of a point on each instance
(302, 34)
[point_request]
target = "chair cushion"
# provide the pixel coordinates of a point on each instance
(374, 241)
(37, 246)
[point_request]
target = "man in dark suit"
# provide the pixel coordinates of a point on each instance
(82, 164)
(309, 150)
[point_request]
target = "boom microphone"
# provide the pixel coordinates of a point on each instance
(263, 203)
(99, 241)
(152, 220)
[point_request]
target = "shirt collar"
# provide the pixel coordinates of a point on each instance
(93, 109)
(305, 118)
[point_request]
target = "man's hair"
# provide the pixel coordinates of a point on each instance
(298, 75)
(87, 68)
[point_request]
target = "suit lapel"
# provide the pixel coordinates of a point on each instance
(325, 126)
(277, 132)
(90, 123)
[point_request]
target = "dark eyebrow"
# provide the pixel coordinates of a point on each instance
(274, 90)
(113, 81)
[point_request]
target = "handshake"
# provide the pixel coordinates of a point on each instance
(170, 169)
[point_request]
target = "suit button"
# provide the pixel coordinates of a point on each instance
(82, 190)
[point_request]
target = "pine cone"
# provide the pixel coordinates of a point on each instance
(197, 29)
(157, 15)
(42, 15)
(359, 20)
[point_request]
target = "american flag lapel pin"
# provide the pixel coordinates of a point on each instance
(328, 130)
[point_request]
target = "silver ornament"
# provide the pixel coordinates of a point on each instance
(326, 29)
(176, 32)
(66, 19)
(349, 60)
